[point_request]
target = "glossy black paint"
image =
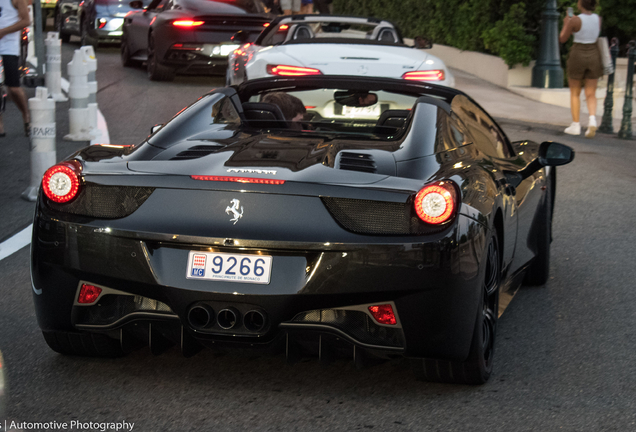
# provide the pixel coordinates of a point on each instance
(221, 21)
(434, 280)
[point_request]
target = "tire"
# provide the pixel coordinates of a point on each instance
(538, 272)
(83, 344)
(88, 39)
(64, 37)
(157, 71)
(476, 369)
(126, 61)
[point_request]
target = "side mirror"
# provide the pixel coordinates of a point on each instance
(550, 154)
(422, 42)
(155, 128)
(554, 154)
(240, 37)
(136, 4)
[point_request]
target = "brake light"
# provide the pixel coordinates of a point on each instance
(428, 75)
(61, 182)
(101, 23)
(383, 314)
(266, 25)
(435, 203)
(239, 179)
(283, 70)
(187, 23)
(283, 27)
(88, 294)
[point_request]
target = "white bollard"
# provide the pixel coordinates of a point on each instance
(43, 134)
(91, 61)
(53, 75)
(79, 122)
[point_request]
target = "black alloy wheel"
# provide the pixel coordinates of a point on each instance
(126, 61)
(476, 369)
(157, 71)
(86, 38)
(64, 37)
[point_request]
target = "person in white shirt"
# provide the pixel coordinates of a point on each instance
(584, 66)
(14, 16)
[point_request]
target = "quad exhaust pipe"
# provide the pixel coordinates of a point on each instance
(201, 316)
(254, 320)
(228, 318)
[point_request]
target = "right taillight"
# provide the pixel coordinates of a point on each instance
(436, 203)
(61, 182)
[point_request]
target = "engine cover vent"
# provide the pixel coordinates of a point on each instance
(197, 151)
(357, 162)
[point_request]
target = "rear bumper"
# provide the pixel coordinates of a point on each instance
(433, 285)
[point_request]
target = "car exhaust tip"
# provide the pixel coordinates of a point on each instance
(200, 316)
(254, 320)
(228, 318)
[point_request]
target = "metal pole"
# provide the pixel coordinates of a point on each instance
(547, 73)
(626, 124)
(606, 124)
(38, 40)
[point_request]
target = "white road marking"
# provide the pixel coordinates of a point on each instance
(15, 243)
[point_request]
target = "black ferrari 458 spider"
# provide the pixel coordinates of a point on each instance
(392, 218)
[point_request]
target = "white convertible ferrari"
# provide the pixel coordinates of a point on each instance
(334, 45)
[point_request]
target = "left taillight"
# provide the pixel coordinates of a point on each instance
(427, 75)
(61, 182)
(436, 203)
(285, 70)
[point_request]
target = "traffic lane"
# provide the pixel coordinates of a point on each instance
(563, 359)
(132, 104)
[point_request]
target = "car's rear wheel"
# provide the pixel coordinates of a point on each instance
(83, 344)
(157, 71)
(87, 39)
(65, 37)
(539, 270)
(126, 61)
(476, 369)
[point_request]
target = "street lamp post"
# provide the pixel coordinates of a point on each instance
(548, 73)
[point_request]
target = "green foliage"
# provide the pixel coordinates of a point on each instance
(508, 38)
(508, 28)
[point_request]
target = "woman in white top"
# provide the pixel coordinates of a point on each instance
(584, 66)
(14, 16)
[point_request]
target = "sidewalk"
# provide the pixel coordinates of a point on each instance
(503, 103)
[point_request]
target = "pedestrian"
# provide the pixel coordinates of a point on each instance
(290, 7)
(14, 16)
(307, 7)
(584, 65)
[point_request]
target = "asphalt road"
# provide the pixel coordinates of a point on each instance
(565, 351)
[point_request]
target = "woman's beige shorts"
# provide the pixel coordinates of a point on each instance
(584, 62)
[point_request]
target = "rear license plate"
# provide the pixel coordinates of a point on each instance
(229, 267)
(362, 112)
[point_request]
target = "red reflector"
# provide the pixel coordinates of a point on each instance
(429, 75)
(283, 70)
(435, 203)
(88, 294)
(61, 182)
(310, 106)
(239, 179)
(383, 314)
(187, 23)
